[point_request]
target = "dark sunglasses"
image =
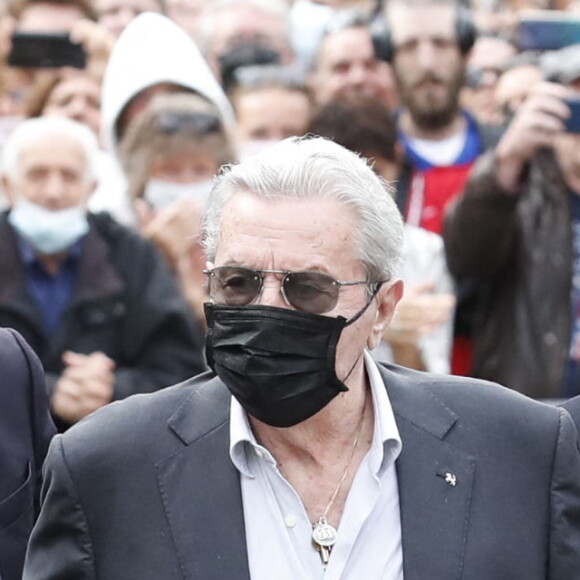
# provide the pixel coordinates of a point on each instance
(203, 123)
(311, 292)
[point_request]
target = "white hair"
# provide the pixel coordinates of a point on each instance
(316, 168)
(31, 130)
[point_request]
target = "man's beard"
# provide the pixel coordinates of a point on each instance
(432, 116)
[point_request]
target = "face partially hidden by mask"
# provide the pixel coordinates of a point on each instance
(48, 232)
(278, 363)
(160, 194)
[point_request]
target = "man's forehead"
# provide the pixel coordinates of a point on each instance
(102, 5)
(45, 149)
(422, 21)
(287, 232)
(246, 206)
(340, 45)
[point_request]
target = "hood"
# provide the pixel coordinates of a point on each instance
(152, 49)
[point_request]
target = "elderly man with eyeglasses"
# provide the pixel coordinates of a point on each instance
(298, 456)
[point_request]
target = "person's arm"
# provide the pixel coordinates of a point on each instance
(481, 226)
(60, 545)
(564, 533)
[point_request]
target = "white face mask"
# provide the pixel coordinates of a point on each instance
(160, 194)
(48, 232)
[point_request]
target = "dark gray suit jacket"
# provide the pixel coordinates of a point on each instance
(573, 407)
(25, 432)
(145, 489)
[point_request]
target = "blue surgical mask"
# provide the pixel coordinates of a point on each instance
(160, 194)
(48, 232)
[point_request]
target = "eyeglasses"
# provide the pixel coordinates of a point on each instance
(311, 292)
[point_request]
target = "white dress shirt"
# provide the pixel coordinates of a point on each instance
(424, 262)
(278, 530)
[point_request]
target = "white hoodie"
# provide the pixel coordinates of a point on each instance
(151, 50)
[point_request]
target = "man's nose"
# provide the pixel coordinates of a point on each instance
(426, 55)
(76, 108)
(53, 190)
(357, 76)
(271, 294)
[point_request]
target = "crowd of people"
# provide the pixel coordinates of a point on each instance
(298, 203)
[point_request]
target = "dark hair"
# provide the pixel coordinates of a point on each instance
(258, 78)
(359, 123)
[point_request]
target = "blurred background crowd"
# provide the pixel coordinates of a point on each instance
(116, 114)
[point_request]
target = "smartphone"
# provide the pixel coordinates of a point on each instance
(572, 123)
(40, 50)
(548, 30)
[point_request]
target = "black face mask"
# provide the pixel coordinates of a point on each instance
(278, 363)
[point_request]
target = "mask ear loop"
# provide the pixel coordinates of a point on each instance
(365, 307)
(354, 319)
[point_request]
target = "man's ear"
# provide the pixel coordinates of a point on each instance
(387, 299)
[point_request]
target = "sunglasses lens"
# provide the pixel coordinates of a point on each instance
(234, 286)
(311, 292)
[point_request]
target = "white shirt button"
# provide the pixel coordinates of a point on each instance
(290, 521)
(259, 452)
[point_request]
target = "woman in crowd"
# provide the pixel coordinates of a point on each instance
(170, 156)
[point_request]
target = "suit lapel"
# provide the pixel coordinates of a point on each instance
(202, 496)
(435, 482)
(201, 490)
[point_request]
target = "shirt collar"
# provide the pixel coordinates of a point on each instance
(385, 447)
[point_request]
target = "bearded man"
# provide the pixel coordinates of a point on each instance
(427, 43)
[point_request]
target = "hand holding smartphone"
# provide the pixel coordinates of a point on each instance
(45, 50)
(572, 123)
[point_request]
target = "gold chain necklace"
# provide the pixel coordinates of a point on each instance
(324, 534)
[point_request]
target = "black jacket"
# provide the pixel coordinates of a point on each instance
(125, 303)
(517, 249)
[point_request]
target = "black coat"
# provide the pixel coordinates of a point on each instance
(517, 249)
(125, 303)
(25, 432)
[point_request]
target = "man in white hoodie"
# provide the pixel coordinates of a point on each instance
(139, 69)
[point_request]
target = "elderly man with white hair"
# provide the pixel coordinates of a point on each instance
(299, 457)
(94, 300)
